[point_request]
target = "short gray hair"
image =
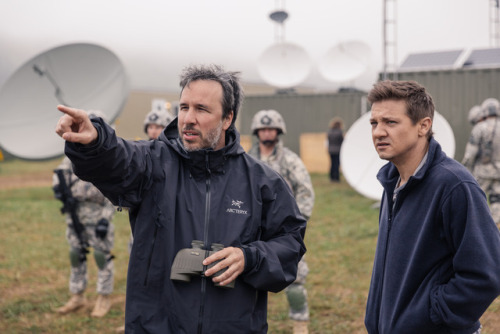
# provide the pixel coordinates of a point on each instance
(232, 97)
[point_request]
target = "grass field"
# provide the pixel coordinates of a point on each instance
(34, 265)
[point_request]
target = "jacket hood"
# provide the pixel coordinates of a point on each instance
(204, 162)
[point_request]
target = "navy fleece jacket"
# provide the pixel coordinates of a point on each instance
(437, 263)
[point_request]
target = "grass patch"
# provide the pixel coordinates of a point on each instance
(21, 167)
(34, 266)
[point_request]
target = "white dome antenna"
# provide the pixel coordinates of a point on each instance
(360, 162)
(80, 75)
(283, 65)
(345, 61)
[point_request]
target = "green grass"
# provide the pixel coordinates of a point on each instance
(34, 266)
(20, 167)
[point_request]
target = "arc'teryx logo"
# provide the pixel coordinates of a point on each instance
(237, 204)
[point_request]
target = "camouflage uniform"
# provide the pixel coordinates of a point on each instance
(292, 169)
(482, 159)
(92, 206)
(158, 115)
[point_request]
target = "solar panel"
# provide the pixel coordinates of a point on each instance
(431, 60)
(483, 58)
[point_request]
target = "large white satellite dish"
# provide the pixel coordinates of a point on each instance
(284, 65)
(345, 61)
(85, 76)
(361, 163)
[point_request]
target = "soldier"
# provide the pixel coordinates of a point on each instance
(482, 153)
(89, 225)
(475, 116)
(157, 119)
(267, 125)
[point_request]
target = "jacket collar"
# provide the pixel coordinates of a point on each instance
(205, 162)
(388, 175)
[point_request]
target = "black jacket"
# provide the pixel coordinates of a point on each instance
(175, 197)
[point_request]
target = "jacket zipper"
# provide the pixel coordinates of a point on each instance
(207, 246)
(389, 226)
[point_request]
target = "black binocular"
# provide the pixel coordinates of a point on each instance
(189, 262)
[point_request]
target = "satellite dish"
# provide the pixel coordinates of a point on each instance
(361, 163)
(85, 76)
(345, 61)
(284, 65)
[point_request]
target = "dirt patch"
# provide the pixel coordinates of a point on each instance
(24, 181)
(491, 318)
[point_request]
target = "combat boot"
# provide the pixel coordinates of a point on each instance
(101, 307)
(74, 303)
(300, 327)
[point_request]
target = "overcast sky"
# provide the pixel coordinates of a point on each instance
(156, 38)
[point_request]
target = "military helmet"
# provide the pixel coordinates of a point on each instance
(475, 114)
(265, 119)
(491, 107)
(97, 113)
(160, 117)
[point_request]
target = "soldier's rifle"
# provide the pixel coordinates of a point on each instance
(70, 205)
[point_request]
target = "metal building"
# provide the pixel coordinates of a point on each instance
(457, 80)
(304, 112)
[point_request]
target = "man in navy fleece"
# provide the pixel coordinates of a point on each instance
(437, 263)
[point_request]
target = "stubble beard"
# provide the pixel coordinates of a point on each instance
(210, 142)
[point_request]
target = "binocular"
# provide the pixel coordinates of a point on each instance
(189, 262)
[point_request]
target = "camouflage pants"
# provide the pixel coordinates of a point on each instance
(105, 276)
(492, 187)
(297, 294)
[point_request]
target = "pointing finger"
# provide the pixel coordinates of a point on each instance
(73, 112)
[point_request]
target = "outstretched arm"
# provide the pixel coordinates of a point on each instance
(75, 126)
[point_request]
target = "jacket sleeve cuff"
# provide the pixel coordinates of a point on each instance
(249, 258)
(89, 147)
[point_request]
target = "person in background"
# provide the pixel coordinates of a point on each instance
(482, 153)
(157, 119)
(267, 126)
(196, 194)
(335, 138)
(476, 115)
(437, 263)
(89, 218)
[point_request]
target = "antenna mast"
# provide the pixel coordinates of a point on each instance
(390, 39)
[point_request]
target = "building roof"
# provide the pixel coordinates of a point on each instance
(483, 58)
(454, 59)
